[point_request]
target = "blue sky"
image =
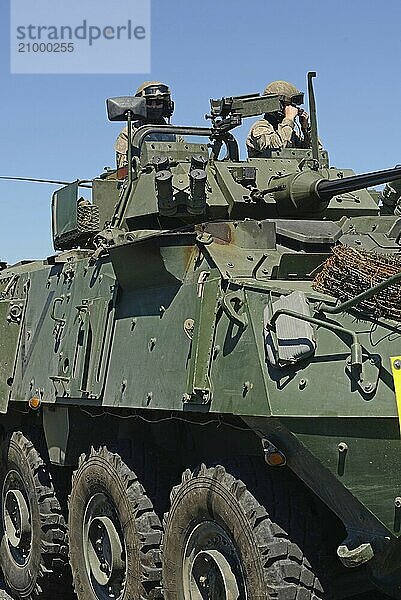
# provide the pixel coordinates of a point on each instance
(55, 126)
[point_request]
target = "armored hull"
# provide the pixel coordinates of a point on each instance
(176, 386)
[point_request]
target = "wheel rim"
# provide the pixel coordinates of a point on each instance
(16, 518)
(104, 548)
(211, 565)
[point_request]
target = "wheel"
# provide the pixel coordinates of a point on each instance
(221, 543)
(114, 532)
(33, 547)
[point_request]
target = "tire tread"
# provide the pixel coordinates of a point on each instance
(53, 567)
(147, 523)
(284, 529)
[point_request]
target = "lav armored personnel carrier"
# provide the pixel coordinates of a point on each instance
(203, 383)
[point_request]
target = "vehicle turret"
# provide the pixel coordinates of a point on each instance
(176, 183)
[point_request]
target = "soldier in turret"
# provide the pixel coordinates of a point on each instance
(279, 130)
(159, 107)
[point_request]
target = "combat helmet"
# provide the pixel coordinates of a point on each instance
(287, 90)
(154, 90)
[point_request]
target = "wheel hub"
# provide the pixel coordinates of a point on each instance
(211, 565)
(104, 549)
(16, 517)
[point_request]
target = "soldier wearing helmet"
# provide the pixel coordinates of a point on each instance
(279, 130)
(159, 107)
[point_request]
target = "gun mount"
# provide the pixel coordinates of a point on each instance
(249, 105)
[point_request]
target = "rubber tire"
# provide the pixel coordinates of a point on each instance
(48, 560)
(105, 472)
(273, 562)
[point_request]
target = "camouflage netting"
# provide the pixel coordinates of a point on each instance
(350, 272)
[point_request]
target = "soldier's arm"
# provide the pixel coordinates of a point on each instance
(121, 148)
(263, 136)
(307, 141)
(285, 130)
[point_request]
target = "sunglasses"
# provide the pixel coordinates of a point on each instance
(153, 90)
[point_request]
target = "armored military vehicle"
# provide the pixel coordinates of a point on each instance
(200, 390)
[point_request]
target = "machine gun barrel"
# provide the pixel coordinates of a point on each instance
(327, 189)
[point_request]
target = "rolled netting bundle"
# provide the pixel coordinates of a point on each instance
(349, 272)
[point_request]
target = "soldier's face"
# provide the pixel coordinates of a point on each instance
(155, 108)
(155, 103)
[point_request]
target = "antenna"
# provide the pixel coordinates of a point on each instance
(313, 118)
(82, 183)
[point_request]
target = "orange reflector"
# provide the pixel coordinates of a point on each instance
(275, 459)
(34, 402)
(273, 456)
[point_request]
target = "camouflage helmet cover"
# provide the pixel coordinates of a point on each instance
(283, 88)
(152, 90)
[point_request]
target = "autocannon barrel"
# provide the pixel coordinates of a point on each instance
(309, 192)
(327, 189)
